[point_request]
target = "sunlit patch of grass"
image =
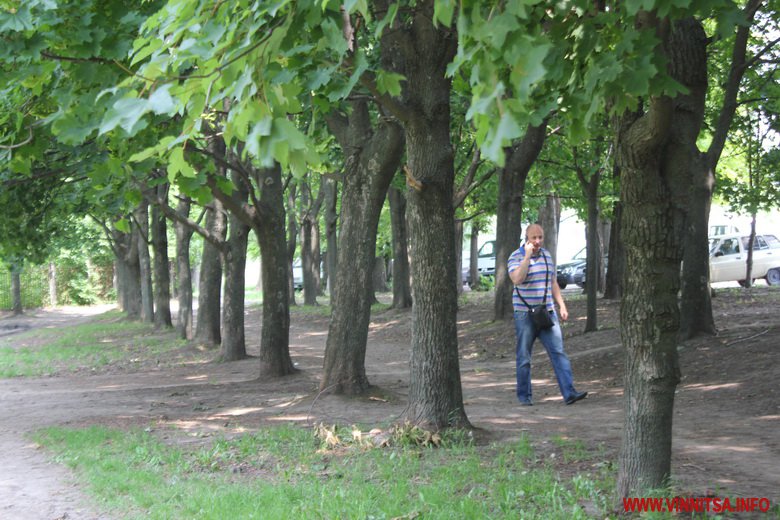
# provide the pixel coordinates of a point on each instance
(285, 472)
(105, 341)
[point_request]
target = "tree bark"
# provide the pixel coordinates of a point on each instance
(509, 220)
(292, 240)
(184, 270)
(550, 219)
(368, 170)
(145, 261)
(474, 257)
(696, 306)
(421, 51)
(655, 151)
(128, 271)
(233, 344)
(208, 325)
(268, 223)
(162, 278)
(402, 291)
(613, 288)
(593, 248)
(331, 238)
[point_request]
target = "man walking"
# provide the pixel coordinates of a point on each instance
(532, 272)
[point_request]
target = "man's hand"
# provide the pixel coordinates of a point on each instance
(531, 249)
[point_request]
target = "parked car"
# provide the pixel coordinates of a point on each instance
(580, 274)
(486, 261)
(728, 258)
(565, 272)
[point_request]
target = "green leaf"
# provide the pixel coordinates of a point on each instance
(389, 82)
(443, 12)
(161, 102)
(122, 225)
(19, 21)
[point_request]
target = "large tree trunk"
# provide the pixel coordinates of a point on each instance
(509, 214)
(696, 306)
(268, 226)
(162, 276)
(184, 270)
(422, 52)
(696, 302)
(655, 152)
(402, 291)
(367, 176)
(128, 272)
(208, 325)
(145, 261)
(233, 346)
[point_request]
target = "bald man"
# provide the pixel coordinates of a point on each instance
(532, 272)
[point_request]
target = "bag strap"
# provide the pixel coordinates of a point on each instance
(546, 279)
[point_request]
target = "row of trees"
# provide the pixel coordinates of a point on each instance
(257, 111)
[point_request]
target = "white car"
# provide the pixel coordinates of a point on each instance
(728, 258)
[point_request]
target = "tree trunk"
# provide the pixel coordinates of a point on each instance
(402, 291)
(162, 279)
(593, 247)
(458, 255)
(655, 152)
(550, 219)
(145, 261)
(309, 257)
(613, 288)
(183, 270)
(379, 276)
(331, 238)
(52, 284)
(367, 176)
(696, 301)
(696, 307)
(207, 328)
(435, 395)
(268, 225)
(292, 234)
(233, 345)
(128, 272)
(749, 262)
(16, 290)
(509, 213)
(474, 257)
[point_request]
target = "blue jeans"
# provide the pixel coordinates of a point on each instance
(552, 339)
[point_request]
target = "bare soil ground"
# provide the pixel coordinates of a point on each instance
(727, 410)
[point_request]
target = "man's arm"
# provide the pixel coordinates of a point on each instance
(518, 274)
(558, 297)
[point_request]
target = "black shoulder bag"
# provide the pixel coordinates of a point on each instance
(539, 313)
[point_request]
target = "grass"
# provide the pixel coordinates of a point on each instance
(105, 341)
(286, 472)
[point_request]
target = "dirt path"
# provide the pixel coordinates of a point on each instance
(726, 415)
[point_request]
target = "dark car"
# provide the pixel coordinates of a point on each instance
(566, 271)
(580, 275)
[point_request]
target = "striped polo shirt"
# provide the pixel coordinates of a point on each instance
(532, 288)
